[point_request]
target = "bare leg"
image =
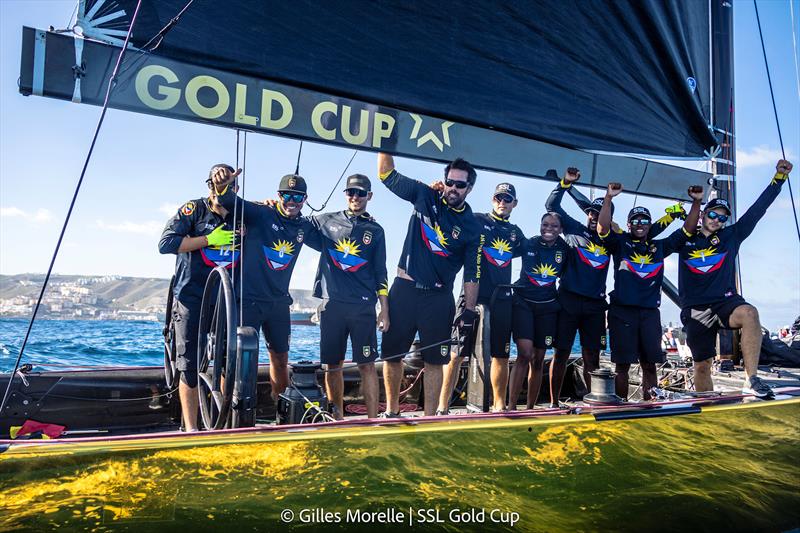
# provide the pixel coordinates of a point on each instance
(392, 376)
(535, 376)
(649, 378)
(278, 372)
(520, 371)
(499, 382)
(746, 318)
(433, 387)
(558, 368)
(622, 380)
(450, 378)
(369, 388)
(190, 403)
(334, 388)
(702, 375)
(591, 362)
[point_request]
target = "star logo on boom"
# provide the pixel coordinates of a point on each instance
(498, 253)
(345, 255)
(430, 136)
(542, 275)
(280, 255)
(593, 255)
(705, 260)
(642, 265)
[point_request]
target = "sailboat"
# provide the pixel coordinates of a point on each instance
(523, 89)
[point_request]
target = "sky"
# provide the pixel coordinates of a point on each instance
(145, 167)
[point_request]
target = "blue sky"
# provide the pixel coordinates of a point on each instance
(145, 167)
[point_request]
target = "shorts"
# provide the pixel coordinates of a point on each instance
(186, 321)
(499, 329)
(412, 310)
(273, 319)
(702, 322)
(635, 334)
(537, 322)
(581, 314)
(340, 320)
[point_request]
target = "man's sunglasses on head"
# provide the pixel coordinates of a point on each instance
(713, 215)
(356, 192)
(456, 184)
(290, 197)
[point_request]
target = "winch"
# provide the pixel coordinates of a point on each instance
(303, 399)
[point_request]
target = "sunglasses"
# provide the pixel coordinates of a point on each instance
(296, 198)
(356, 192)
(503, 198)
(456, 184)
(640, 222)
(713, 215)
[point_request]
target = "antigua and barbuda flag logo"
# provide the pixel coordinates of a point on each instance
(279, 255)
(434, 239)
(498, 253)
(542, 275)
(345, 255)
(705, 260)
(593, 255)
(224, 256)
(642, 265)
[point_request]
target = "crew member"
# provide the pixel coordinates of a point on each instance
(197, 234)
(707, 287)
(634, 321)
(443, 235)
(582, 292)
(501, 243)
(275, 237)
(536, 306)
(351, 277)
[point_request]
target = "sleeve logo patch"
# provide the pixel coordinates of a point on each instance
(187, 209)
(367, 238)
(559, 257)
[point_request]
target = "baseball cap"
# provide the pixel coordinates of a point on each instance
(505, 188)
(718, 202)
(597, 205)
(639, 211)
(358, 181)
(293, 183)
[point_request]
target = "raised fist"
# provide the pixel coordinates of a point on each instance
(613, 189)
(696, 192)
(783, 166)
(572, 175)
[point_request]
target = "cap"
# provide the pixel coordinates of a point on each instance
(358, 181)
(506, 188)
(293, 183)
(718, 202)
(639, 211)
(597, 205)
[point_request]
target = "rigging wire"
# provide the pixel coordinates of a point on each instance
(777, 122)
(299, 152)
(111, 84)
(355, 152)
(235, 208)
(241, 229)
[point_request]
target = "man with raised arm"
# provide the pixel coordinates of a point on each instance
(443, 236)
(351, 277)
(582, 292)
(197, 235)
(275, 236)
(707, 287)
(634, 320)
(501, 243)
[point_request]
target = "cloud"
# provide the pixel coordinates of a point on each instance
(169, 209)
(758, 156)
(41, 215)
(148, 227)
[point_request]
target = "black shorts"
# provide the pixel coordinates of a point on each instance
(412, 310)
(635, 334)
(186, 321)
(339, 320)
(537, 322)
(273, 319)
(581, 314)
(702, 322)
(499, 328)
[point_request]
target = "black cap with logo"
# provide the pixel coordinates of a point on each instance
(505, 188)
(293, 183)
(718, 202)
(358, 181)
(639, 211)
(597, 205)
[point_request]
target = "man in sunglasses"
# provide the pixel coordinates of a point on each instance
(201, 235)
(443, 236)
(634, 320)
(501, 243)
(351, 278)
(707, 287)
(275, 236)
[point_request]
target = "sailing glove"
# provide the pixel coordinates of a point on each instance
(220, 237)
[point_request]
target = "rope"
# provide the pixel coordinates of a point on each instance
(335, 186)
(111, 83)
(777, 122)
(297, 167)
